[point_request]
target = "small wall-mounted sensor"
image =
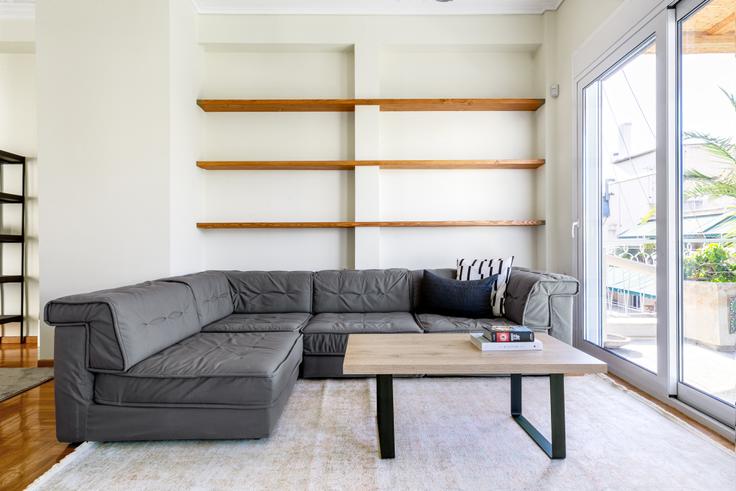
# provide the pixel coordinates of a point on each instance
(554, 91)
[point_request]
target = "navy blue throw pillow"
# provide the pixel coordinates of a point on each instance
(457, 298)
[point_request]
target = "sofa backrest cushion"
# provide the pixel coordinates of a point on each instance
(129, 324)
(261, 292)
(369, 290)
(417, 276)
(212, 295)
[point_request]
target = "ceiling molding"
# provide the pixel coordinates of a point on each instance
(375, 7)
(26, 9)
(17, 9)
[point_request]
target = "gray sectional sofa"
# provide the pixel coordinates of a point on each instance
(215, 355)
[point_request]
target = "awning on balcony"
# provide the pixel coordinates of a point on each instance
(712, 226)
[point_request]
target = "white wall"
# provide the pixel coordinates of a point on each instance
(104, 94)
(302, 57)
(572, 23)
(458, 71)
(186, 190)
(277, 71)
(17, 103)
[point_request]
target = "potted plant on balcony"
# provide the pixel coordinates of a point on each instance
(710, 272)
(710, 290)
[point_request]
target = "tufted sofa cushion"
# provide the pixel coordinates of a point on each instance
(260, 292)
(327, 334)
(290, 321)
(210, 370)
(368, 290)
(129, 324)
(212, 295)
(444, 323)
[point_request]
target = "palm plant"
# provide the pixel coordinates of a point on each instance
(724, 184)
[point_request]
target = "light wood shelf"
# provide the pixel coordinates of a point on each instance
(455, 104)
(413, 223)
(383, 164)
(348, 105)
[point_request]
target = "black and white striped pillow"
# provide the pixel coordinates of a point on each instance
(477, 269)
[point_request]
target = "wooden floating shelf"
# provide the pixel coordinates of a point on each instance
(420, 223)
(348, 105)
(383, 164)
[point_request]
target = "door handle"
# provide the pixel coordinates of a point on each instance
(573, 228)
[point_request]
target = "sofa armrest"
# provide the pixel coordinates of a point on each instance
(542, 300)
(73, 382)
(127, 325)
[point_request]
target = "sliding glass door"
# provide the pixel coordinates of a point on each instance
(618, 106)
(656, 253)
(706, 58)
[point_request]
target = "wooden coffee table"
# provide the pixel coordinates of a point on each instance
(386, 355)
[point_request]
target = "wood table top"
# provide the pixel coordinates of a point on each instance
(454, 354)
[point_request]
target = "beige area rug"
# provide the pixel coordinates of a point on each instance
(13, 381)
(451, 433)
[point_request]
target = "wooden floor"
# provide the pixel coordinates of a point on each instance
(28, 445)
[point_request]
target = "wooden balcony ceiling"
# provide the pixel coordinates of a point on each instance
(712, 29)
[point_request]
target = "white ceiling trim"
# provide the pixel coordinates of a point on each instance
(26, 9)
(17, 9)
(375, 7)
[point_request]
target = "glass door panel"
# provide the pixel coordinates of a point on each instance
(707, 335)
(619, 151)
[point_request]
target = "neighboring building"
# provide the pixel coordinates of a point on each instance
(630, 226)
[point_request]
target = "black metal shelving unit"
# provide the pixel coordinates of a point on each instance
(7, 158)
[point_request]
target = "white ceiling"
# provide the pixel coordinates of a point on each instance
(376, 7)
(21, 9)
(25, 8)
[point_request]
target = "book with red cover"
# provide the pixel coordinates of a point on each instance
(509, 334)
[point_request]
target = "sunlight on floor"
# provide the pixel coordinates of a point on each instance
(711, 371)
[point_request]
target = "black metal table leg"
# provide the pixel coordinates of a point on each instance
(556, 448)
(516, 395)
(385, 412)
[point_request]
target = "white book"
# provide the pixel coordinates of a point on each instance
(484, 345)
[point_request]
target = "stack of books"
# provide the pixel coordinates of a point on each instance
(506, 338)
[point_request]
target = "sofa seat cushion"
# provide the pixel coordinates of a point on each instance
(327, 334)
(444, 323)
(208, 370)
(290, 322)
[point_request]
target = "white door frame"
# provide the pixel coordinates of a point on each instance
(588, 181)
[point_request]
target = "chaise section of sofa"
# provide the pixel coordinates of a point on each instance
(227, 370)
(133, 364)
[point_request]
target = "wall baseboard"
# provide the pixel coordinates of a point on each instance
(32, 340)
(45, 363)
